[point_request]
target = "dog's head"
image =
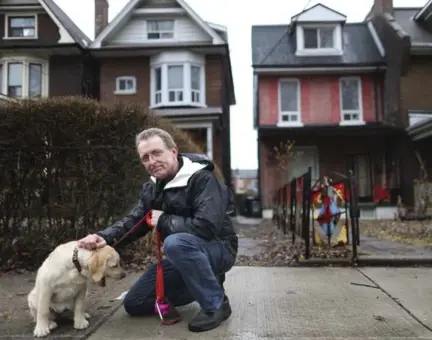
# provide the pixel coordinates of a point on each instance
(105, 262)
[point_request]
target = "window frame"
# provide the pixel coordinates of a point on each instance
(187, 85)
(10, 16)
(337, 48)
(281, 122)
(25, 83)
(160, 32)
(359, 111)
(119, 91)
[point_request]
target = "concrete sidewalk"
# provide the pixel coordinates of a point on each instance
(304, 303)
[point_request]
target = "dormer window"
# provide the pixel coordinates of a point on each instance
(324, 39)
(318, 37)
(318, 31)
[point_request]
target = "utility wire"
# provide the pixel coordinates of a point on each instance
(282, 37)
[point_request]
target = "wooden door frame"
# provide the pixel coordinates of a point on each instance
(208, 126)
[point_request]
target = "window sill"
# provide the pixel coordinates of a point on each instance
(319, 52)
(20, 38)
(284, 124)
(170, 104)
(351, 122)
(124, 93)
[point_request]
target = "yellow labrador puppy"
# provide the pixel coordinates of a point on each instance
(62, 282)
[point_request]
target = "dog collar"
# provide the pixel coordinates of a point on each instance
(75, 259)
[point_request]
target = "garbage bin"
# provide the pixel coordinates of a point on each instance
(252, 207)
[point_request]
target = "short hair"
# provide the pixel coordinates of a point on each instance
(151, 132)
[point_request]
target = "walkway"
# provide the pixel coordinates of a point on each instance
(305, 303)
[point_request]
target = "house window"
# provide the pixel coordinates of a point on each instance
(160, 29)
(317, 38)
(351, 94)
(158, 85)
(177, 79)
(22, 77)
(15, 80)
(175, 83)
(125, 85)
(21, 26)
(289, 102)
(35, 80)
(195, 83)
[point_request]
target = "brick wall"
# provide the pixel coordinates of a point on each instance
(319, 97)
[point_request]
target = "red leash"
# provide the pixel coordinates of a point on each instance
(167, 313)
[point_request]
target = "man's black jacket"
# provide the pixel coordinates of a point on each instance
(193, 202)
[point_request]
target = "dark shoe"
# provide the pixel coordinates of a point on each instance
(206, 321)
(221, 280)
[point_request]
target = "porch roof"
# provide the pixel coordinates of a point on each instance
(421, 130)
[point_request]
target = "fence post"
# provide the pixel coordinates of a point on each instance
(354, 212)
(284, 208)
(307, 179)
(293, 207)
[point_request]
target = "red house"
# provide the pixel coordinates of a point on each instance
(318, 82)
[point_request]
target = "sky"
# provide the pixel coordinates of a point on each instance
(238, 16)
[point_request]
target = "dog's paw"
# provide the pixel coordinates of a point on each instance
(81, 323)
(87, 315)
(41, 330)
(52, 325)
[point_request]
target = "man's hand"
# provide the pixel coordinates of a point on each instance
(155, 217)
(91, 242)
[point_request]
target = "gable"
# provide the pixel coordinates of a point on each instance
(133, 25)
(51, 23)
(319, 13)
(158, 4)
(136, 31)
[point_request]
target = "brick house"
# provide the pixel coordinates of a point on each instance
(318, 81)
(162, 54)
(42, 52)
(406, 34)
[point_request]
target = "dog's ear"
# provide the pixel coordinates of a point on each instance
(97, 266)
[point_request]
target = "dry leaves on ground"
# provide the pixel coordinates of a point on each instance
(417, 233)
(279, 250)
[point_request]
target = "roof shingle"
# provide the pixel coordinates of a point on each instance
(273, 45)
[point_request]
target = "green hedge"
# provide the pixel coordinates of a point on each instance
(68, 167)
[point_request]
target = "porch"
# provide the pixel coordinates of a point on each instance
(203, 125)
(370, 152)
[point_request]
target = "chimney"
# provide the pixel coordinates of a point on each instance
(101, 15)
(383, 6)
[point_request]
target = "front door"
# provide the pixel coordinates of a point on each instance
(303, 158)
(198, 136)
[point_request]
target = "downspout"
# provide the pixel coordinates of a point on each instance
(376, 94)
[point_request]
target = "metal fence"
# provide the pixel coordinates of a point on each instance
(294, 210)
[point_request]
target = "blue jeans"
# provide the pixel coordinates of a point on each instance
(191, 271)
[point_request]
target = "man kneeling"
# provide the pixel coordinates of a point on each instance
(190, 207)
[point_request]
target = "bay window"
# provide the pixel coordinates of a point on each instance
(23, 77)
(177, 79)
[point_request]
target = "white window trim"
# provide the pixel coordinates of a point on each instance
(117, 90)
(163, 39)
(337, 39)
(187, 60)
(281, 123)
(25, 83)
(19, 14)
(209, 139)
(359, 121)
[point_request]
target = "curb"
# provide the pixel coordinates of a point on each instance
(368, 262)
(99, 323)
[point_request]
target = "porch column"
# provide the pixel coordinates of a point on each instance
(210, 142)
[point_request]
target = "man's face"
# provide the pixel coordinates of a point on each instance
(159, 161)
